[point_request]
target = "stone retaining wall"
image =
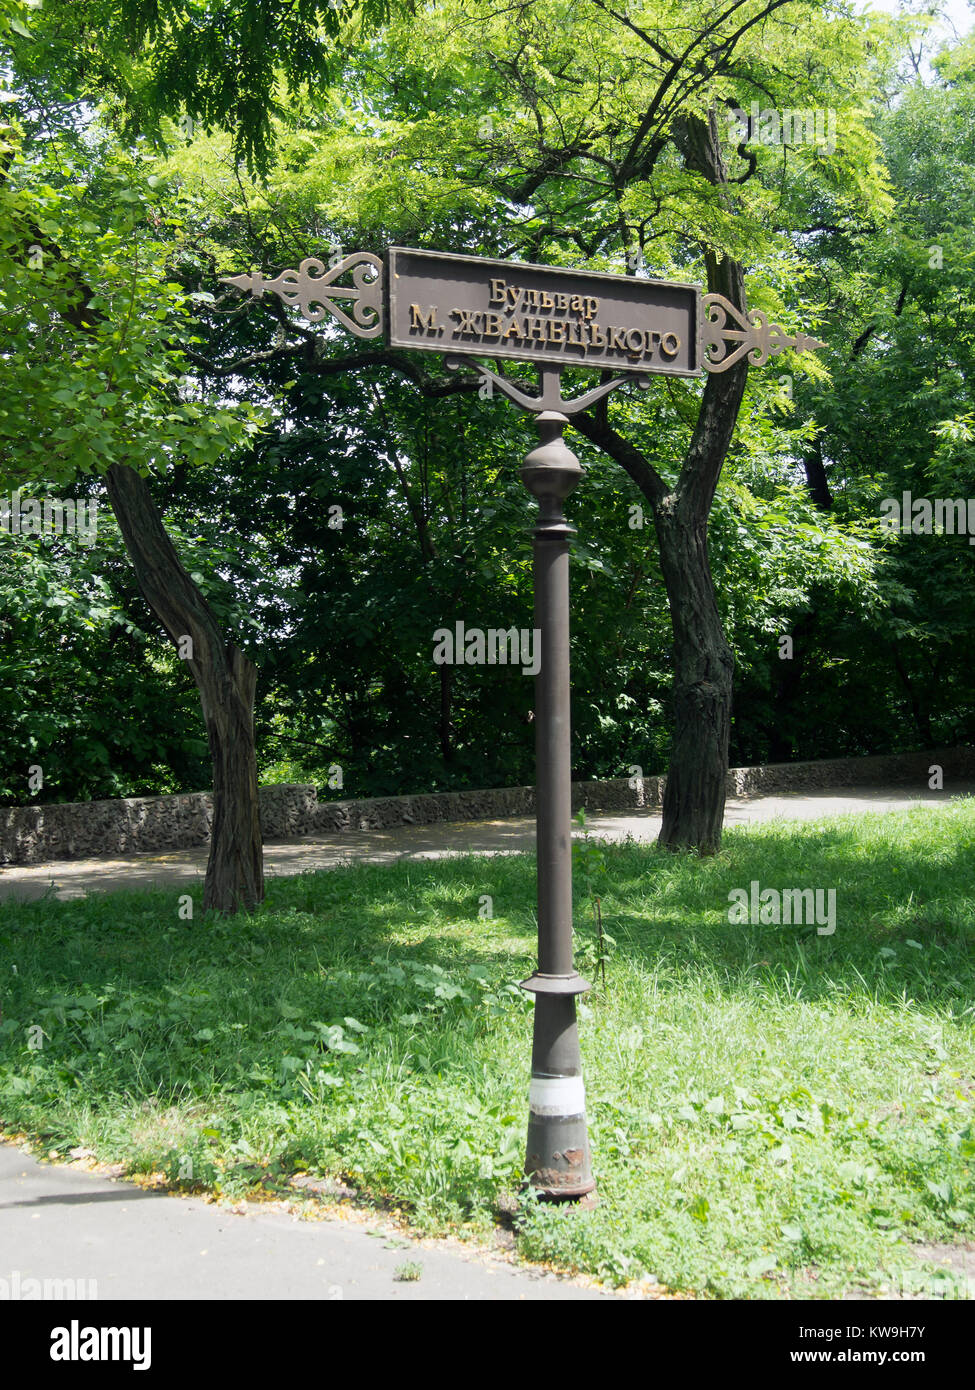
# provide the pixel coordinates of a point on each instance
(136, 825)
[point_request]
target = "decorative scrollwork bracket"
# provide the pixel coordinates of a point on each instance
(550, 396)
(313, 291)
(725, 343)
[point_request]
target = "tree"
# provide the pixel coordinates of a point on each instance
(215, 63)
(899, 419)
(590, 135)
(87, 693)
(600, 133)
(693, 808)
(94, 383)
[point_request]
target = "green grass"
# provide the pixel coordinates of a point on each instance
(773, 1112)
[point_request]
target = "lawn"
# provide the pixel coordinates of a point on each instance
(773, 1112)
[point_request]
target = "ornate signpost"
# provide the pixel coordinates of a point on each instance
(466, 306)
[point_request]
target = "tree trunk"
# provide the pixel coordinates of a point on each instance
(694, 795)
(235, 866)
(816, 479)
(444, 723)
(226, 680)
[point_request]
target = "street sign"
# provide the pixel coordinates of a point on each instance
(468, 306)
(534, 313)
(465, 306)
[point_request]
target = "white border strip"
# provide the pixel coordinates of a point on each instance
(557, 1095)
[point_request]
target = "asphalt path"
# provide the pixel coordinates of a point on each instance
(114, 1240)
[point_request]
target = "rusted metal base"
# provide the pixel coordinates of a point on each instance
(557, 1162)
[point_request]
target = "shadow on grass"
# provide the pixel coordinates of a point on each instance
(897, 879)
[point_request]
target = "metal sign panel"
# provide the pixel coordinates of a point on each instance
(537, 313)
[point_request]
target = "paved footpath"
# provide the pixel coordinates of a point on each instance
(59, 1222)
(75, 877)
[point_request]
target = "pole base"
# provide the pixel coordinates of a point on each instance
(557, 1163)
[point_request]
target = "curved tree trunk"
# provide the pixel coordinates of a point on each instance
(226, 680)
(694, 795)
(235, 867)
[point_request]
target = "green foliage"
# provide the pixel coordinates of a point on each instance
(91, 374)
(231, 64)
(895, 670)
(534, 134)
(68, 615)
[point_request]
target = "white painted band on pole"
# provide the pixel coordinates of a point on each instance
(557, 1095)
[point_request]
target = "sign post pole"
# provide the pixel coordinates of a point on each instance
(557, 1159)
